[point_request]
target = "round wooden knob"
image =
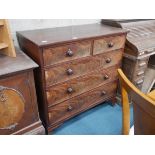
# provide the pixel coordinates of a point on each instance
(110, 44)
(70, 90)
(106, 77)
(70, 108)
(69, 71)
(108, 60)
(103, 92)
(69, 53)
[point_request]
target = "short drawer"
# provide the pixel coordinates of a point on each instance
(73, 106)
(69, 89)
(139, 74)
(139, 82)
(142, 64)
(67, 52)
(69, 70)
(108, 44)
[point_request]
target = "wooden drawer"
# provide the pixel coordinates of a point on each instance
(69, 70)
(139, 74)
(66, 90)
(139, 82)
(64, 53)
(73, 106)
(108, 44)
(142, 64)
(126, 66)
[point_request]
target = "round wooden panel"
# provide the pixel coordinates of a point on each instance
(11, 108)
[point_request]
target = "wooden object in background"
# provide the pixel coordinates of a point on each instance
(78, 68)
(149, 80)
(11, 107)
(6, 42)
(18, 103)
(143, 108)
(139, 48)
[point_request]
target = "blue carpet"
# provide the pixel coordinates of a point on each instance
(103, 119)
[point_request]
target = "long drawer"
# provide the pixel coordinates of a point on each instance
(71, 107)
(108, 44)
(67, 52)
(70, 70)
(66, 90)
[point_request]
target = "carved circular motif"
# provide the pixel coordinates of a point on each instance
(11, 108)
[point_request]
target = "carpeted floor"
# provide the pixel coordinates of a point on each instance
(103, 119)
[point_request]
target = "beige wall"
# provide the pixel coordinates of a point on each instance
(28, 24)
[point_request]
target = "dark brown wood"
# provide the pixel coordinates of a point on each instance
(53, 36)
(80, 67)
(139, 48)
(108, 44)
(33, 129)
(11, 65)
(67, 52)
(71, 69)
(52, 127)
(72, 106)
(59, 93)
(17, 75)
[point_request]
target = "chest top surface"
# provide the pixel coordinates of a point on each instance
(51, 36)
(10, 65)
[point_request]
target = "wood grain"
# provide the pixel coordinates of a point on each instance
(69, 67)
(6, 39)
(143, 108)
(18, 116)
(108, 44)
(11, 107)
(56, 36)
(3, 46)
(11, 65)
(59, 93)
(21, 83)
(61, 111)
(59, 54)
(81, 67)
(140, 45)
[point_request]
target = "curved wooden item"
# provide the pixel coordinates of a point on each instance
(143, 105)
(152, 95)
(11, 107)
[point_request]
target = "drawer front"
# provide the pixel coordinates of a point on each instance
(71, 107)
(67, 52)
(108, 44)
(142, 64)
(127, 69)
(66, 90)
(139, 74)
(139, 82)
(67, 71)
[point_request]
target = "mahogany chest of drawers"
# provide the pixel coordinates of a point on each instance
(78, 68)
(18, 103)
(139, 48)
